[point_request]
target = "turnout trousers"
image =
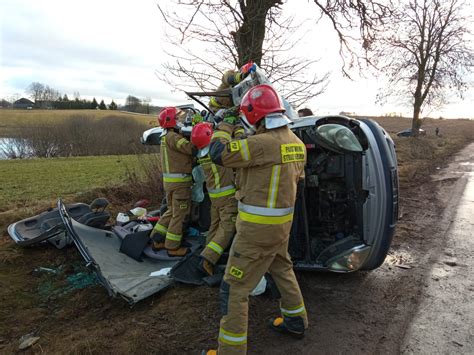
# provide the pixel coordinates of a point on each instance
(170, 226)
(222, 229)
(256, 249)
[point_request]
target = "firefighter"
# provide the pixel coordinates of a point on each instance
(176, 164)
(229, 79)
(221, 189)
(230, 116)
(272, 163)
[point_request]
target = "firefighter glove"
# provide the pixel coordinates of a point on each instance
(197, 118)
(230, 120)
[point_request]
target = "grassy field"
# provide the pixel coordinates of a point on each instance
(27, 182)
(418, 158)
(13, 120)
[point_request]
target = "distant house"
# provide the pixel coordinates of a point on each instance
(23, 104)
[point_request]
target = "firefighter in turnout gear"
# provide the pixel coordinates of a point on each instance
(229, 79)
(272, 163)
(221, 189)
(176, 163)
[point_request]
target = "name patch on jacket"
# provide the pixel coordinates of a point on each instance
(292, 152)
(234, 146)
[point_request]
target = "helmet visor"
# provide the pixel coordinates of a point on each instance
(276, 120)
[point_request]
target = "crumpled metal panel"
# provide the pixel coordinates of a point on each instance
(120, 274)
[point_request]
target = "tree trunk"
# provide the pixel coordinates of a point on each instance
(416, 123)
(251, 34)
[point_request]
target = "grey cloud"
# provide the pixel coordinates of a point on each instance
(20, 49)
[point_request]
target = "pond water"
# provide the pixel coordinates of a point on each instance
(9, 146)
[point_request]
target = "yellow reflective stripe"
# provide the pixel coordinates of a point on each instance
(239, 131)
(216, 247)
(232, 338)
(160, 229)
(178, 179)
(221, 134)
(217, 178)
(205, 160)
(293, 311)
(253, 218)
(165, 154)
(273, 189)
(244, 151)
(173, 237)
(181, 142)
(265, 211)
(223, 193)
(213, 102)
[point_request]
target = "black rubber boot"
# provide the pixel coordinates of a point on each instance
(293, 326)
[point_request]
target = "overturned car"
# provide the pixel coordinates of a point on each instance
(346, 220)
(343, 222)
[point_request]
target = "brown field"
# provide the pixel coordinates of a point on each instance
(183, 319)
(13, 120)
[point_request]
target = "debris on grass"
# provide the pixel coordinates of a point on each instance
(60, 281)
(403, 266)
(28, 340)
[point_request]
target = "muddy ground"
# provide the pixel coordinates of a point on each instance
(364, 312)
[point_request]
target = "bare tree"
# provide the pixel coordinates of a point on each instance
(425, 51)
(208, 37)
(36, 91)
(357, 25)
(49, 96)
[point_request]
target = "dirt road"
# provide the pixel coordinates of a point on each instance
(424, 287)
(444, 323)
(387, 311)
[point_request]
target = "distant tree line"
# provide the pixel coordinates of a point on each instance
(134, 104)
(63, 103)
(5, 103)
(45, 96)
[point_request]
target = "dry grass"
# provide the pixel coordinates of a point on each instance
(419, 157)
(11, 121)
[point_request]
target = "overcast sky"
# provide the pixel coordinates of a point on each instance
(110, 49)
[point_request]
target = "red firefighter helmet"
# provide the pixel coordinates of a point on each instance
(201, 135)
(260, 101)
(167, 117)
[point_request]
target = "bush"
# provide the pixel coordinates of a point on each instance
(79, 135)
(145, 180)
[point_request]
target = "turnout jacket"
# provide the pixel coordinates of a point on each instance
(176, 160)
(272, 163)
(219, 180)
(229, 79)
